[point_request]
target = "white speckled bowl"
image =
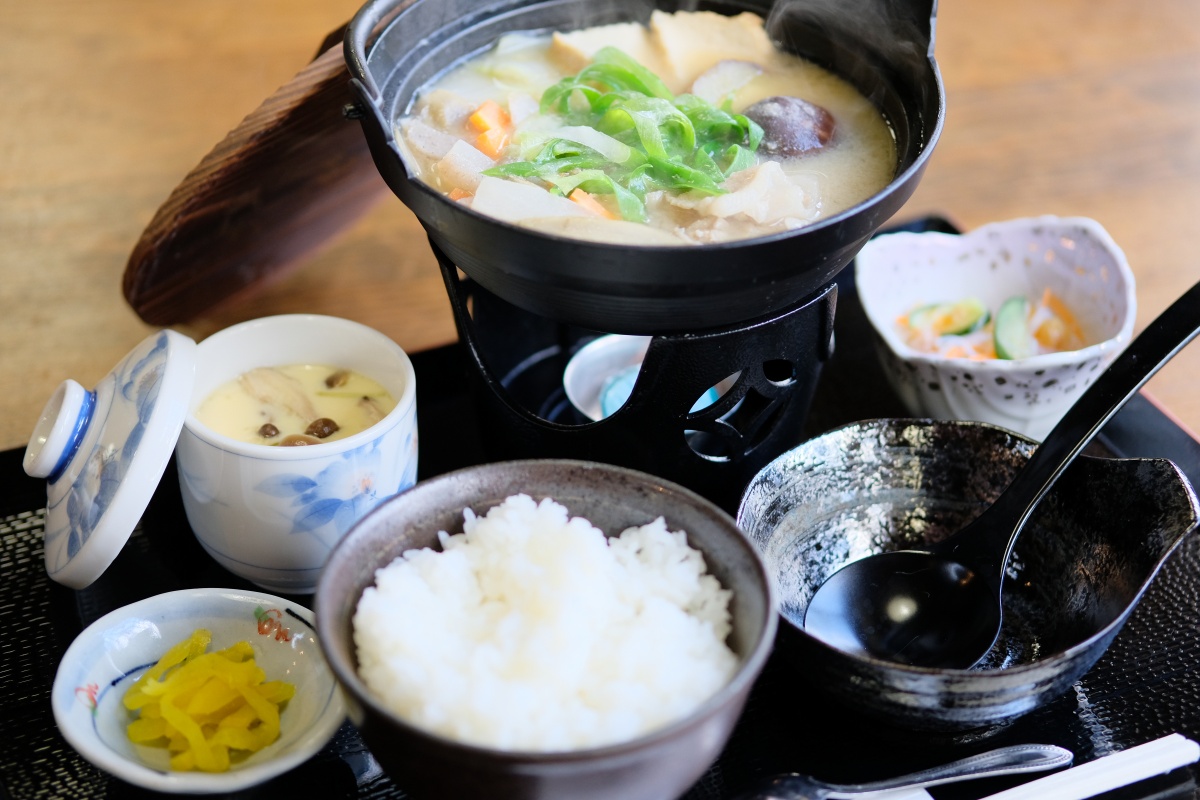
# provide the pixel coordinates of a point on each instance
(1073, 256)
(108, 656)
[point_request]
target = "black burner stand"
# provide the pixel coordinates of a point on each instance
(517, 359)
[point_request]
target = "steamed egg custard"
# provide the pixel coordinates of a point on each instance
(691, 129)
(295, 404)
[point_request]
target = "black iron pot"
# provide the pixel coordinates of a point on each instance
(884, 47)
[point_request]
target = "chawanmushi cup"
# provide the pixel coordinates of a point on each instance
(271, 514)
(266, 513)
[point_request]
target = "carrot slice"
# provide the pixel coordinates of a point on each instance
(491, 142)
(593, 205)
(490, 116)
(1067, 336)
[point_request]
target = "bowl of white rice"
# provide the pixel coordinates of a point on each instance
(546, 629)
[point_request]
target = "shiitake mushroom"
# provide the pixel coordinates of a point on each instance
(791, 126)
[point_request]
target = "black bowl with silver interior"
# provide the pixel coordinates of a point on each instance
(883, 47)
(1075, 575)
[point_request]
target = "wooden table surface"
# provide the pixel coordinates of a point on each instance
(1070, 107)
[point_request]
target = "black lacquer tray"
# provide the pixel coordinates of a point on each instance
(1146, 686)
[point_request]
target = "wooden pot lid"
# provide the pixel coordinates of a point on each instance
(292, 175)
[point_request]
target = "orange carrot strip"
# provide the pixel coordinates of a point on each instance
(1052, 334)
(1051, 301)
(458, 194)
(582, 198)
(985, 350)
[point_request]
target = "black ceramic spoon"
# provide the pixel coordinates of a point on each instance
(1011, 760)
(941, 607)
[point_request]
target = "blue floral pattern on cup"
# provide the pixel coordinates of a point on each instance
(288, 516)
(338, 496)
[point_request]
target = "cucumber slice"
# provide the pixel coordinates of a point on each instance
(1013, 338)
(921, 317)
(953, 319)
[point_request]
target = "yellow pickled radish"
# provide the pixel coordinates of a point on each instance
(147, 729)
(207, 709)
(196, 644)
(277, 692)
(238, 652)
(214, 695)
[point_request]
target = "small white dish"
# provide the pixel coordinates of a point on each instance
(110, 654)
(1072, 256)
(596, 363)
(600, 377)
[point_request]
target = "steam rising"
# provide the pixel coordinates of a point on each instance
(900, 32)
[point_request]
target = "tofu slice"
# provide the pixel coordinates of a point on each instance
(573, 51)
(676, 47)
(690, 44)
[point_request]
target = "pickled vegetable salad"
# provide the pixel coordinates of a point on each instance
(967, 328)
(615, 130)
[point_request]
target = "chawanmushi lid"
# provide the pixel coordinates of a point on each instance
(104, 451)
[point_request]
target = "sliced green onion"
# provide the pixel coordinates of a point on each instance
(616, 151)
(597, 182)
(683, 178)
(624, 133)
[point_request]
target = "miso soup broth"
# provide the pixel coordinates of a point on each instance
(689, 130)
